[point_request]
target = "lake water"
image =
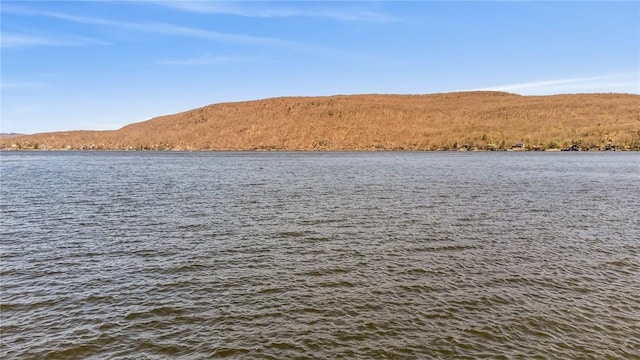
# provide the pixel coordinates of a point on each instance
(132, 255)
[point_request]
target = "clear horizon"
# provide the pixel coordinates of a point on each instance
(99, 65)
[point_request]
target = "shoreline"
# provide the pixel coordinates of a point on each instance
(313, 150)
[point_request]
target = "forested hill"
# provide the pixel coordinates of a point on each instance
(466, 120)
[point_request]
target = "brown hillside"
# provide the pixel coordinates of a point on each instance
(367, 122)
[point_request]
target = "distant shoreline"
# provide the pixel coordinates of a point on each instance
(314, 151)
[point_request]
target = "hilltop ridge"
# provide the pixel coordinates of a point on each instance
(464, 120)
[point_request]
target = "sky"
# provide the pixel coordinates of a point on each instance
(98, 65)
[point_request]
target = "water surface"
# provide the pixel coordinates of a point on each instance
(119, 255)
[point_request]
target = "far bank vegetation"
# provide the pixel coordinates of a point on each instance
(451, 121)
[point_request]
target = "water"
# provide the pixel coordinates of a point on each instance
(120, 255)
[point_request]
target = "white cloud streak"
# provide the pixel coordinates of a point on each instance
(16, 40)
(622, 82)
(209, 59)
(161, 28)
(262, 9)
(7, 84)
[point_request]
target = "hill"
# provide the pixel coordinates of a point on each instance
(465, 120)
(10, 135)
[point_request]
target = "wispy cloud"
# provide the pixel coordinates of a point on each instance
(17, 40)
(209, 59)
(160, 28)
(8, 84)
(225, 8)
(167, 29)
(264, 9)
(621, 82)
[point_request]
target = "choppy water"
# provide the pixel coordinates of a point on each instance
(319, 255)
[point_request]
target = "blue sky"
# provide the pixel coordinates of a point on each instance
(103, 64)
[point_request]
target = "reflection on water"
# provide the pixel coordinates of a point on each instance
(319, 255)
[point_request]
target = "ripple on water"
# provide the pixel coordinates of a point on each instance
(383, 255)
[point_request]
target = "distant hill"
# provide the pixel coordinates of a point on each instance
(465, 120)
(10, 135)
